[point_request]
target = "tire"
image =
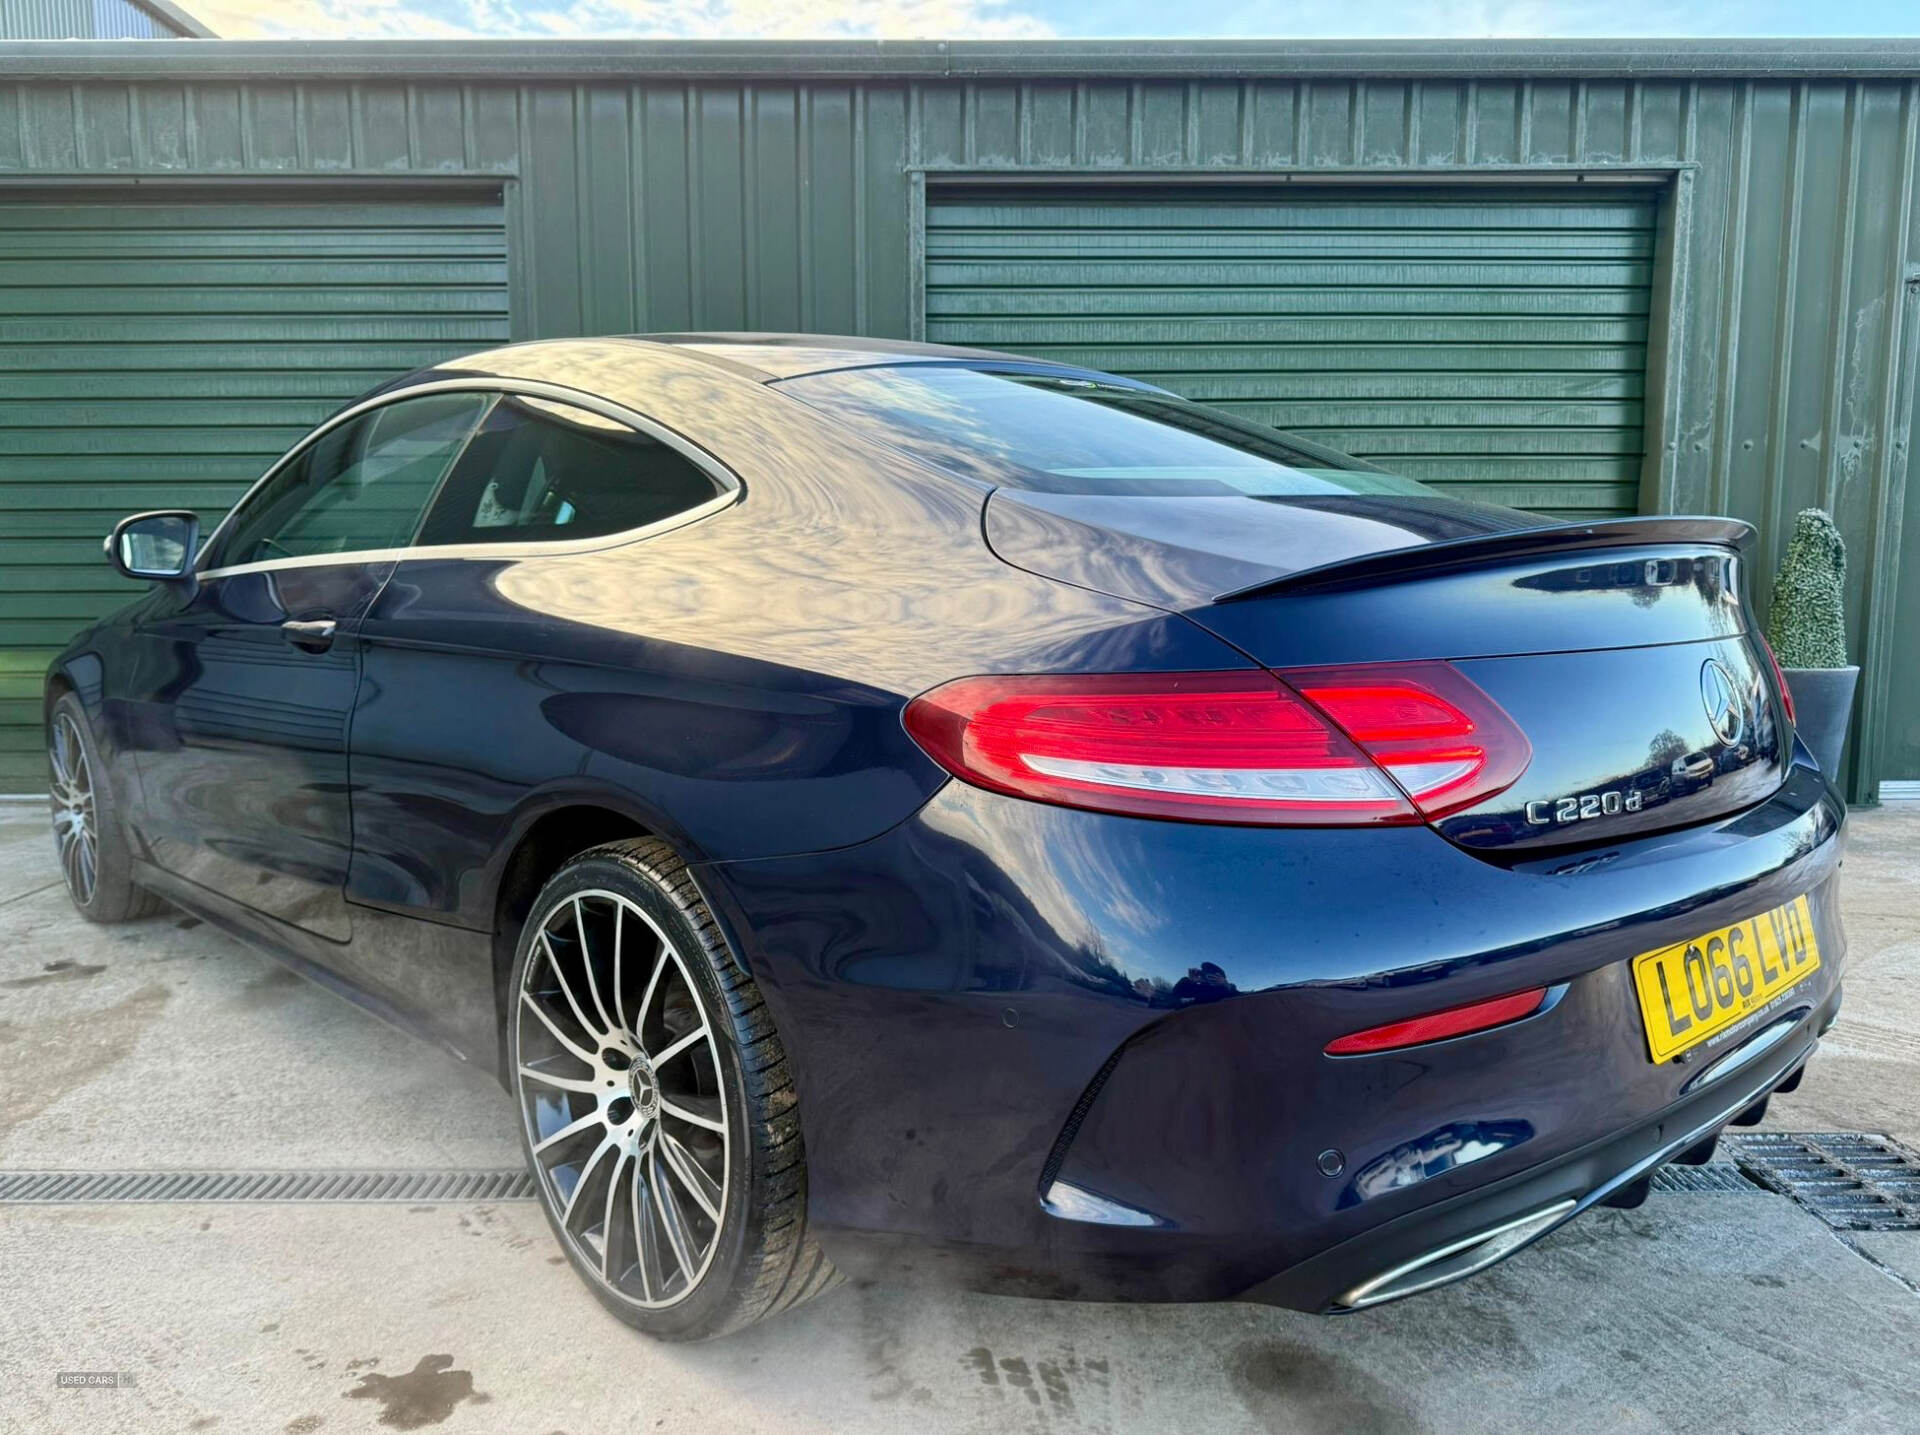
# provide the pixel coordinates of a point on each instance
(95, 860)
(683, 1231)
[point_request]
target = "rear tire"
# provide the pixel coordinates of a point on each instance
(95, 860)
(658, 1111)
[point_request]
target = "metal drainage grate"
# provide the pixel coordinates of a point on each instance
(1719, 1176)
(411, 1186)
(1851, 1180)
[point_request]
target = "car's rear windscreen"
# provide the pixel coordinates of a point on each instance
(1061, 433)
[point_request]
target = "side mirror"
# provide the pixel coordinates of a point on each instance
(158, 546)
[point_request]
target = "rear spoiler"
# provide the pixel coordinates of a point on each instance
(1547, 541)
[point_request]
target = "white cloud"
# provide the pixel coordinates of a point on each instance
(1035, 19)
(691, 19)
(1482, 19)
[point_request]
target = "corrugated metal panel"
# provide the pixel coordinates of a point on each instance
(1493, 344)
(122, 20)
(79, 20)
(161, 354)
(47, 20)
(790, 200)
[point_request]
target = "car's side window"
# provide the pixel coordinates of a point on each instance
(361, 485)
(539, 471)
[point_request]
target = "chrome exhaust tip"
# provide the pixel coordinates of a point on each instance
(1456, 1260)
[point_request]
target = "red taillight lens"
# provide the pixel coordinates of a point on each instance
(1444, 741)
(1230, 747)
(1779, 677)
(1203, 747)
(1439, 1025)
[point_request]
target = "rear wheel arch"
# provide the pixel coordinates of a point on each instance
(541, 842)
(542, 838)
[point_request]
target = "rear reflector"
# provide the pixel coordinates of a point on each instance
(1200, 747)
(1439, 1025)
(1444, 741)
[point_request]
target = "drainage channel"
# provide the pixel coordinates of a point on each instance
(55, 1187)
(1722, 1177)
(1852, 1180)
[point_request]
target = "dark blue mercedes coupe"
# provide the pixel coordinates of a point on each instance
(911, 812)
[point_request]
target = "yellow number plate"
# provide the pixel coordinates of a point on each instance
(1693, 989)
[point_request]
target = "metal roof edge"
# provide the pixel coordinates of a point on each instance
(168, 13)
(531, 59)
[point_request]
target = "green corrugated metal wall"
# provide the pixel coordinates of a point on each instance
(80, 19)
(161, 354)
(1492, 344)
(1786, 237)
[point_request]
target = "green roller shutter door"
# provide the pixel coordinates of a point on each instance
(1492, 343)
(161, 355)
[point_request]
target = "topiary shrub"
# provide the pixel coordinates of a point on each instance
(1808, 624)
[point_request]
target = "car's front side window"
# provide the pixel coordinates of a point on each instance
(361, 485)
(542, 471)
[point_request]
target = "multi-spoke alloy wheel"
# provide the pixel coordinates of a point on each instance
(656, 1100)
(94, 858)
(620, 1089)
(74, 824)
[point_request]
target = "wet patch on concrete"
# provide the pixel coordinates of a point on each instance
(1294, 1387)
(55, 972)
(425, 1395)
(304, 1424)
(1047, 1386)
(52, 1058)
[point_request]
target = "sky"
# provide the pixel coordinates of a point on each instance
(1040, 19)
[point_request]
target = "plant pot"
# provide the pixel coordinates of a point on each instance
(1823, 706)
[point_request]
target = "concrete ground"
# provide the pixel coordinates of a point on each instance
(163, 1045)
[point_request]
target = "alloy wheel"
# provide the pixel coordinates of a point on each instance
(620, 1087)
(74, 826)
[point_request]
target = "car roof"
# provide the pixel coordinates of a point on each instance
(601, 364)
(787, 356)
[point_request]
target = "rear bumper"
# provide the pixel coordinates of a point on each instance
(1363, 1269)
(999, 995)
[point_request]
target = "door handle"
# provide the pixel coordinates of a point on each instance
(314, 635)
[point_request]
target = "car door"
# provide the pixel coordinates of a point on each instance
(244, 680)
(474, 694)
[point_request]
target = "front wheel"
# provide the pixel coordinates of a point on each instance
(95, 862)
(657, 1108)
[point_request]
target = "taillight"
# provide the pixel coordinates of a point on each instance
(1446, 743)
(1206, 747)
(1440, 1025)
(1779, 677)
(1229, 747)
